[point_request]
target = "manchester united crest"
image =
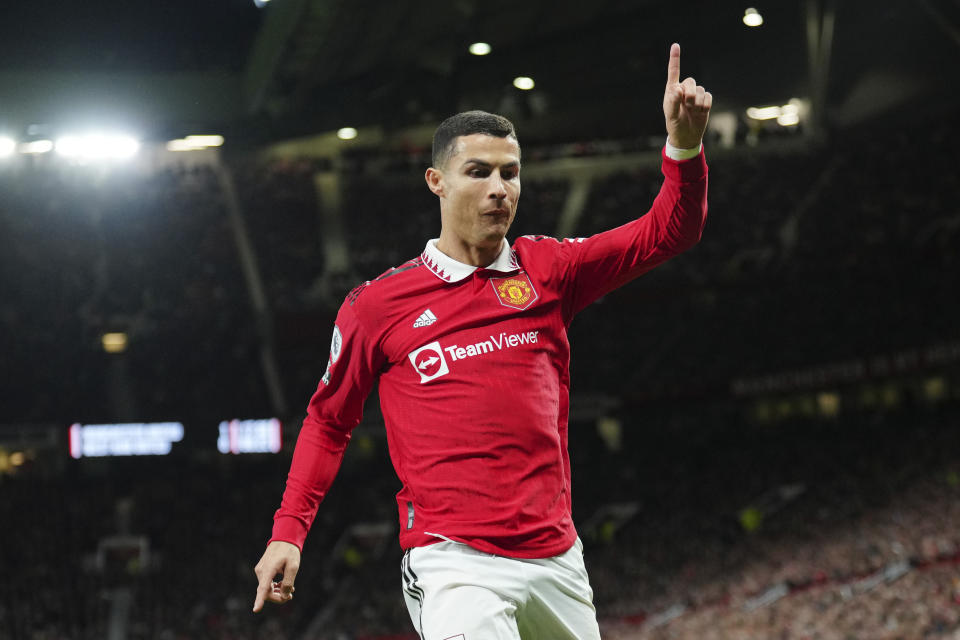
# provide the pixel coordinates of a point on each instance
(515, 291)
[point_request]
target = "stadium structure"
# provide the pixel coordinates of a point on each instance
(764, 431)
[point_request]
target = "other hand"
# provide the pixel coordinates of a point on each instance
(279, 558)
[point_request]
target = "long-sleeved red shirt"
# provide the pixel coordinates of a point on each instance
(474, 379)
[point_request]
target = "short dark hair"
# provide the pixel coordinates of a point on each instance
(465, 124)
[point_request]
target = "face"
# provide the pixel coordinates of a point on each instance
(478, 188)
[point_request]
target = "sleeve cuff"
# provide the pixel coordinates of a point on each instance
(289, 529)
(675, 153)
(692, 169)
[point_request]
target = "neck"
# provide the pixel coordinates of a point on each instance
(477, 256)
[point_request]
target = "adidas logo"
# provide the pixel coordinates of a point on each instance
(425, 320)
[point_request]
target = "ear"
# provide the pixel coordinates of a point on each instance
(434, 178)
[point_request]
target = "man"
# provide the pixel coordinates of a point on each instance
(469, 345)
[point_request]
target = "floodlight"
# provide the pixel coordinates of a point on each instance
(97, 145)
(7, 147)
(69, 146)
(764, 113)
(121, 147)
(523, 83)
(786, 115)
(480, 48)
(788, 119)
(752, 18)
(205, 141)
(37, 146)
(195, 143)
(347, 133)
(180, 145)
(114, 342)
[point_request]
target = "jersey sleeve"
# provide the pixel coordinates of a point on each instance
(334, 410)
(603, 262)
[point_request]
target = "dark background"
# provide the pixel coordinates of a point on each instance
(763, 430)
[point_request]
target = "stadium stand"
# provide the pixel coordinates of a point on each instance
(754, 515)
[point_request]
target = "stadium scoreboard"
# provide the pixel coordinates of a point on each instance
(158, 438)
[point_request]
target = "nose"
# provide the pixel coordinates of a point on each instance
(498, 190)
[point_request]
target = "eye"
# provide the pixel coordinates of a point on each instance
(509, 174)
(478, 173)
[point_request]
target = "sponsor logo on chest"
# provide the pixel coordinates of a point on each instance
(431, 363)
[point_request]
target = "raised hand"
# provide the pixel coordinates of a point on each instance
(686, 106)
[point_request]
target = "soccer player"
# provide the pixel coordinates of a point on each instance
(469, 344)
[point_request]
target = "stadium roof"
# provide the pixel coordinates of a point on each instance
(305, 66)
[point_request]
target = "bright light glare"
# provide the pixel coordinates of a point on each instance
(787, 115)
(788, 119)
(37, 146)
(347, 133)
(97, 146)
(764, 113)
(480, 48)
(752, 18)
(181, 145)
(260, 3)
(205, 141)
(195, 143)
(7, 147)
(123, 147)
(523, 83)
(69, 146)
(114, 342)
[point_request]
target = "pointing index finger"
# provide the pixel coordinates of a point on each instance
(673, 67)
(262, 591)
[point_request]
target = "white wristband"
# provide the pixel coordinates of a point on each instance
(675, 153)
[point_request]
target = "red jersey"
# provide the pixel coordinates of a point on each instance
(474, 379)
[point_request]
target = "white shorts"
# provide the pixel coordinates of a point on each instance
(454, 592)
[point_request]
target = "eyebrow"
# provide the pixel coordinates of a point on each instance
(485, 164)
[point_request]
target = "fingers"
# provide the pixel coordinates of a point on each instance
(276, 559)
(694, 96)
(689, 87)
(275, 593)
(687, 94)
(289, 575)
(263, 592)
(673, 66)
(280, 593)
(686, 105)
(267, 590)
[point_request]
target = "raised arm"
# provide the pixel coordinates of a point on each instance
(673, 224)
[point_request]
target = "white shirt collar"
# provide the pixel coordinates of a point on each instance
(450, 270)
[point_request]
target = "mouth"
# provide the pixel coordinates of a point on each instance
(497, 212)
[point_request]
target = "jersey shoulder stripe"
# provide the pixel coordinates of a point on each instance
(540, 238)
(406, 266)
(356, 291)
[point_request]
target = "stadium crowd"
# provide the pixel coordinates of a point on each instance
(147, 253)
(866, 548)
(814, 527)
